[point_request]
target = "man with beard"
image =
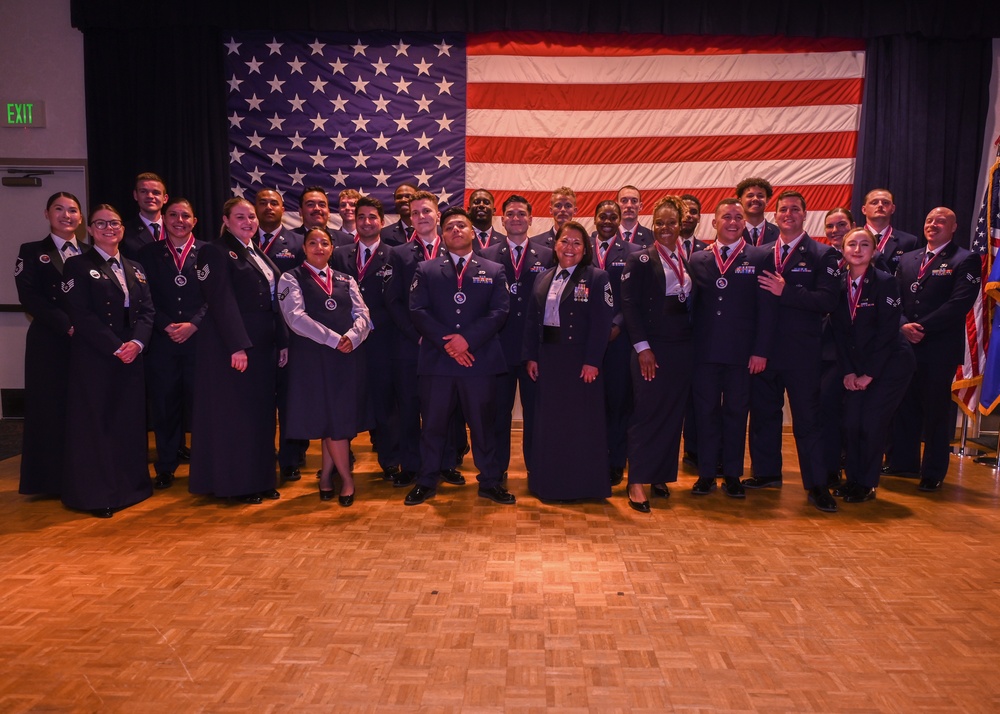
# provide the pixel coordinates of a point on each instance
(402, 230)
(481, 210)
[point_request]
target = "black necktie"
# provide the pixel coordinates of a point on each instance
(68, 248)
(687, 249)
(113, 262)
(725, 253)
(322, 274)
(250, 251)
(753, 236)
(604, 249)
(267, 238)
(563, 274)
(368, 254)
(878, 237)
(517, 258)
(928, 257)
(784, 253)
(461, 264)
(180, 250)
(483, 235)
(628, 236)
(155, 227)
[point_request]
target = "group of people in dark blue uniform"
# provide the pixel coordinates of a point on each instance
(618, 343)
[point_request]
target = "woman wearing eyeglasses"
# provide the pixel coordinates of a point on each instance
(38, 274)
(112, 314)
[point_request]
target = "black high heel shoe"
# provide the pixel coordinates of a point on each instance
(345, 501)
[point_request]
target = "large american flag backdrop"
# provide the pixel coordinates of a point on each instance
(525, 113)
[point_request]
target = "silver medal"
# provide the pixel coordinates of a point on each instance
(459, 298)
(181, 281)
(331, 304)
(721, 283)
(914, 286)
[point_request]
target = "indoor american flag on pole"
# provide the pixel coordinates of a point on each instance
(526, 113)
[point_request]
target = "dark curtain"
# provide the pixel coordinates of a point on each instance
(925, 107)
(818, 18)
(158, 104)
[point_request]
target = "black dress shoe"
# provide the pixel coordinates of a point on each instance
(499, 494)
(820, 497)
(270, 493)
(660, 490)
(833, 479)
(251, 498)
(346, 501)
(733, 488)
(844, 489)
(184, 453)
(691, 458)
(617, 475)
(419, 494)
(453, 477)
(930, 484)
(703, 486)
(290, 473)
(326, 495)
(102, 513)
(641, 506)
(389, 473)
(403, 479)
(859, 494)
(762, 482)
(163, 480)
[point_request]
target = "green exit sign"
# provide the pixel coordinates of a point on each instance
(23, 114)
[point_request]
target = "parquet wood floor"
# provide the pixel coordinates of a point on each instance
(185, 604)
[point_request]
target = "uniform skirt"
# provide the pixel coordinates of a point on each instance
(570, 459)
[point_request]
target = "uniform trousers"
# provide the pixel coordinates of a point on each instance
(618, 403)
(404, 375)
(654, 436)
(290, 451)
(924, 410)
(170, 369)
(868, 416)
(439, 395)
(722, 401)
(507, 385)
(831, 398)
(381, 394)
(767, 398)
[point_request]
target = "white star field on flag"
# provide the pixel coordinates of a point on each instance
(333, 111)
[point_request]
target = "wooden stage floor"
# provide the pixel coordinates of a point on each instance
(185, 604)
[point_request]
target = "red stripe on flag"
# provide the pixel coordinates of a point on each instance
(635, 97)
(632, 45)
(674, 149)
(817, 197)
